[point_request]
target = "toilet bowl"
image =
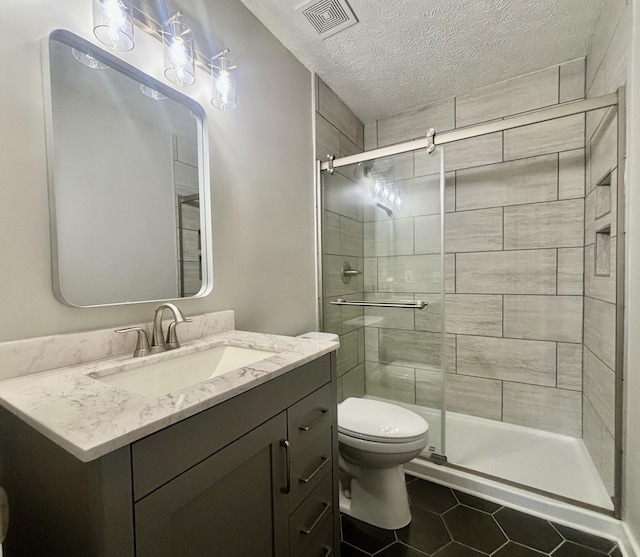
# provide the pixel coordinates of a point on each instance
(375, 440)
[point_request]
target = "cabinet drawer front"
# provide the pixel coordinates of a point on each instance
(322, 544)
(192, 440)
(309, 468)
(310, 517)
(310, 417)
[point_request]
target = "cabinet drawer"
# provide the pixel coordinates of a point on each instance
(192, 440)
(309, 468)
(311, 516)
(322, 544)
(310, 417)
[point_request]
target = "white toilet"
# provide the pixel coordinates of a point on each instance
(375, 440)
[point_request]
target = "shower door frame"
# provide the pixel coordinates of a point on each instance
(616, 99)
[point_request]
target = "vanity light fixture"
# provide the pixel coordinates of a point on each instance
(179, 64)
(152, 93)
(88, 60)
(113, 23)
(224, 82)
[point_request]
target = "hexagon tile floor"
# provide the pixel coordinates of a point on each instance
(448, 523)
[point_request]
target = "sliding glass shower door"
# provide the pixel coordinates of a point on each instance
(384, 276)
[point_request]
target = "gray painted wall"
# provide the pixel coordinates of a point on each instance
(261, 176)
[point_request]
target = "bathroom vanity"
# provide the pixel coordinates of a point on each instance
(228, 473)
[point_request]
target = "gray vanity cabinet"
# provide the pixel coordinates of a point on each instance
(238, 490)
(255, 476)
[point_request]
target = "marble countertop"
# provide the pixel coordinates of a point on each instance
(90, 418)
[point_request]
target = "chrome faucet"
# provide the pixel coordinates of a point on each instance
(158, 343)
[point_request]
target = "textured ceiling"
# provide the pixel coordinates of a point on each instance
(405, 53)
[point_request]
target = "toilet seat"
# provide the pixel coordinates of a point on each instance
(379, 422)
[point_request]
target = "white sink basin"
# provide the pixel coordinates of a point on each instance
(168, 376)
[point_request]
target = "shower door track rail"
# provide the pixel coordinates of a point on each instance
(536, 117)
(418, 304)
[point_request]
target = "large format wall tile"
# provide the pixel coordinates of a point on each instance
(600, 329)
(427, 234)
(511, 183)
(410, 348)
(600, 287)
(388, 318)
(390, 382)
(348, 147)
(347, 354)
(604, 149)
(341, 195)
(371, 350)
(553, 410)
(421, 196)
(572, 80)
(600, 389)
(544, 225)
(571, 174)
(556, 318)
(561, 134)
(331, 233)
(525, 361)
(351, 237)
(479, 230)
(414, 123)
(466, 395)
(389, 237)
(521, 94)
(371, 135)
(592, 428)
(409, 273)
(339, 114)
(327, 139)
(570, 366)
(570, 271)
(353, 382)
(467, 153)
(332, 275)
(507, 272)
(466, 314)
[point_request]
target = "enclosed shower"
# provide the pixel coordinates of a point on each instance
(475, 276)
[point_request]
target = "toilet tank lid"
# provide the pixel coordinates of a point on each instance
(373, 418)
(316, 335)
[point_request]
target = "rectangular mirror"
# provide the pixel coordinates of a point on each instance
(128, 178)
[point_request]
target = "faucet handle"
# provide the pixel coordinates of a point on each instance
(172, 336)
(142, 346)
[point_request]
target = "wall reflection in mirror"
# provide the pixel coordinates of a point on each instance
(128, 181)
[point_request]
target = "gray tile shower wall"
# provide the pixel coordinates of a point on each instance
(515, 249)
(339, 132)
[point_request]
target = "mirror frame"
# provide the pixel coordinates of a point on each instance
(206, 240)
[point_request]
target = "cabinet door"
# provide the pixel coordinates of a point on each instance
(229, 505)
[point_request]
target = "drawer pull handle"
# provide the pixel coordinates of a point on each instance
(328, 551)
(315, 472)
(285, 445)
(315, 422)
(327, 508)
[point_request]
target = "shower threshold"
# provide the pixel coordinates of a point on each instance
(548, 462)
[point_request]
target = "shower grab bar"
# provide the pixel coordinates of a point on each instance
(418, 304)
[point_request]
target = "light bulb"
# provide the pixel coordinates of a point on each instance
(113, 23)
(223, 85)
(179, 57)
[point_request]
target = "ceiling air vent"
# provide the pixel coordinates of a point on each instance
(328, 17)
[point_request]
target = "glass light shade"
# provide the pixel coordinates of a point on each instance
(113, 23)
(152, 93)
(224, 83)
(179, 64)
(88, 60)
